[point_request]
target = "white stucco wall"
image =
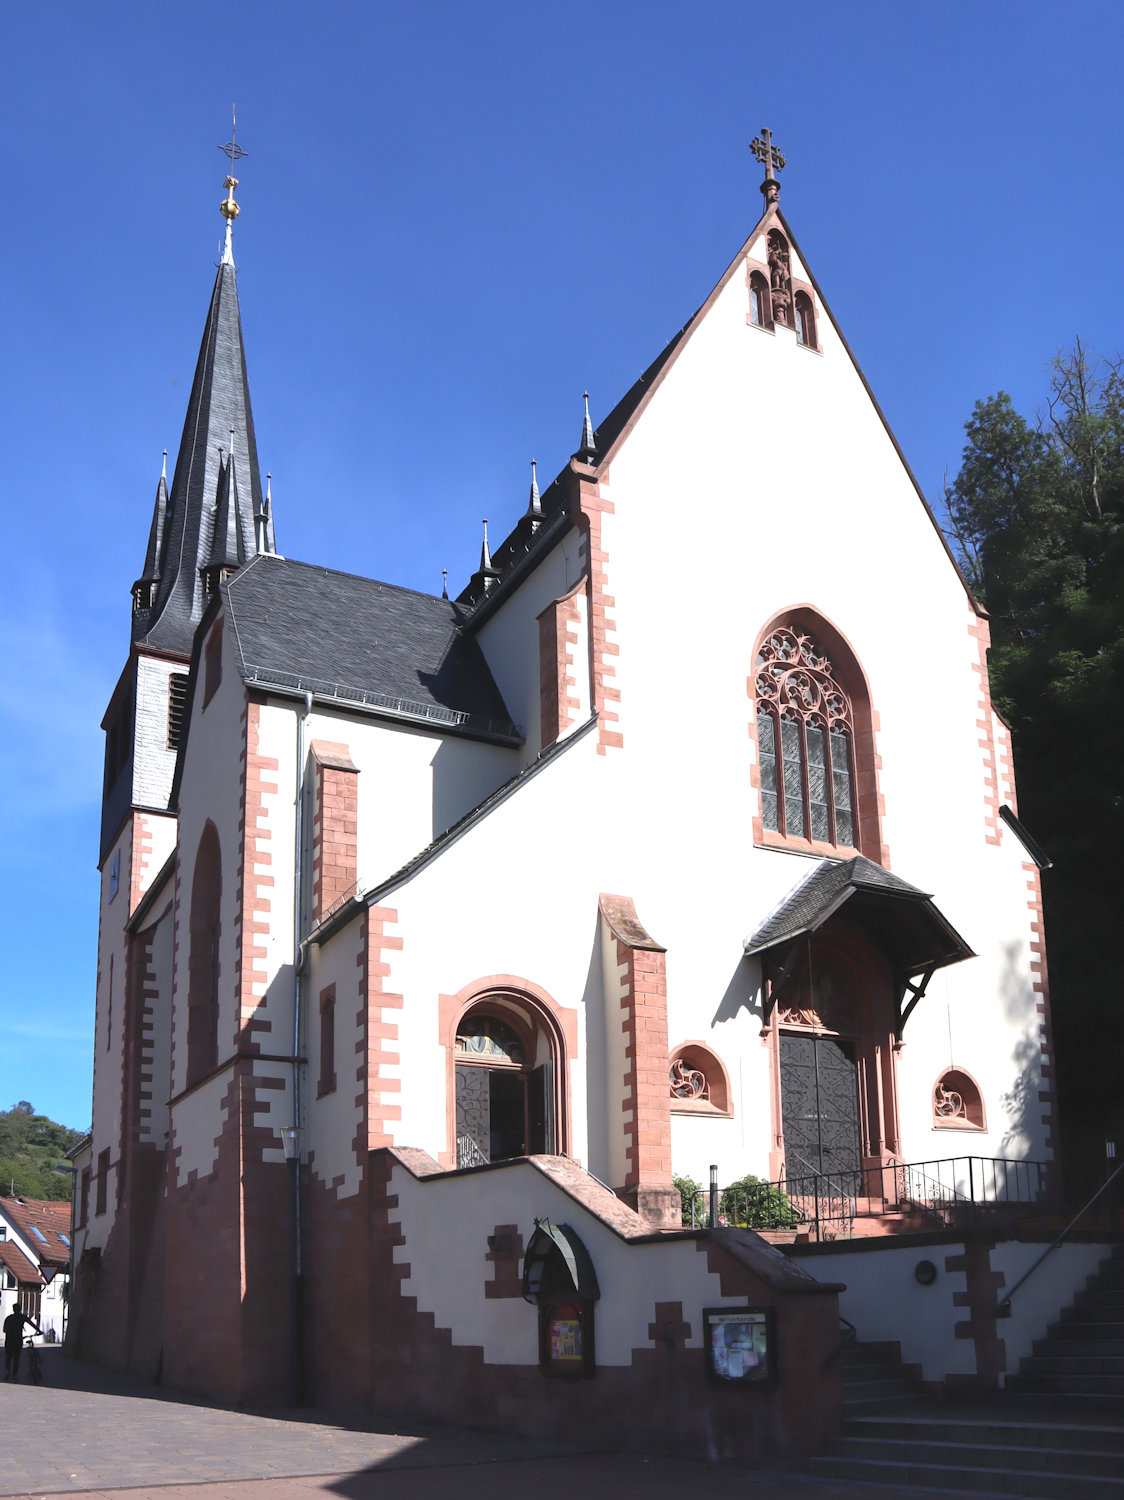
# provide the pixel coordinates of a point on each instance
(885, 1301)
(448, 1271)
(333, 1119)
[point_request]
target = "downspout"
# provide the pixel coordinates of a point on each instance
(296, 1281)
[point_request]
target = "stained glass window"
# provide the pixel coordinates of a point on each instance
(804, 721)
(767, 754)
(488, 1039)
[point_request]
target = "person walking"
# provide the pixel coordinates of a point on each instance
(13, 1341)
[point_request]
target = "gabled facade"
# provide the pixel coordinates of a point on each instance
(631, 859)
(35, 1262)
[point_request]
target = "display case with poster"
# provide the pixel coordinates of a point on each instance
(740, 1345)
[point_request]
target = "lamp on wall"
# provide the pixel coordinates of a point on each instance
(291, 1140)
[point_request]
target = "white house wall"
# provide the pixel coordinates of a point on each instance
(334, 1119)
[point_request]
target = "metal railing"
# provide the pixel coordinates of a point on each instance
(949, 1192)
(1003, 1310)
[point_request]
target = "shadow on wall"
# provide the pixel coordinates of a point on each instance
(464, 774)
(1021, 1104)
(745, 991)
(596, 1054)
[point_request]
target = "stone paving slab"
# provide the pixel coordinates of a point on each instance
(93, 1431)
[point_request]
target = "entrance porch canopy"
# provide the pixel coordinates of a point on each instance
(903, 921)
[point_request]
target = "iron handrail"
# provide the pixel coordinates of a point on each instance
(1003, 1310)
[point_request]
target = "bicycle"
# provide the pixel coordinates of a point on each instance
(34, 1363)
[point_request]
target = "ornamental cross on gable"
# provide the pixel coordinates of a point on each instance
(773, 162)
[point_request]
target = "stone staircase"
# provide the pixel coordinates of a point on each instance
(1083, 1352)
(1057, 1430)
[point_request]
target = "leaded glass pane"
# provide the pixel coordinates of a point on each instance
(767, 755)
(841, 787)
(793, 779)
(817, 784)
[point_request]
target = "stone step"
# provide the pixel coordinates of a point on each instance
(1077, 1323)
(1079, 1347)
(1069, 1385)
(1100, 1297)
(1011, 1458)
(926, 1477)
(1058, 1364)
(881, 1388)
(1005, 1430)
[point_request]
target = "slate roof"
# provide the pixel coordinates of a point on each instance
(180, 541)
(51, 1219)
(901, 918)
(302, 628)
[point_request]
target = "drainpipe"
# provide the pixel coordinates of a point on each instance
(292, 1136)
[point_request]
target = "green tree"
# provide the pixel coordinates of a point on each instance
(1035, 515)
(31, 1146)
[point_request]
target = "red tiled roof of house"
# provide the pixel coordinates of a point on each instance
(19, 1265)
(51, 1220)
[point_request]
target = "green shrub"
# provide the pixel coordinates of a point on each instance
(751, 1203)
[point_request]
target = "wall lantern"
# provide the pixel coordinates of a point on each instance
(559, 1279)
(291, 1140)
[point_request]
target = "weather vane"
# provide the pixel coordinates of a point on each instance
(772, 160)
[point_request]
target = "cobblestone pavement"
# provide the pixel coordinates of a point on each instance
(89, 1430)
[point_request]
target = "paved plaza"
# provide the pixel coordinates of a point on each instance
(87, 1430)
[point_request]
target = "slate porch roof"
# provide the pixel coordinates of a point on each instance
(302, 628)
(901, 918)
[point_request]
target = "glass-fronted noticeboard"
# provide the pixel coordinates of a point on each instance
(741, 1345)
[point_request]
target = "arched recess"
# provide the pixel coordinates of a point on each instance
(520, 1046)
(760, 301)
(958, 1102)
(203, 957)
(698, 1081)
(833, 1058)
(806, 321)
(806, 622)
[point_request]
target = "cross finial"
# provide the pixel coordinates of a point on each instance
(773, 162)
(228, 208)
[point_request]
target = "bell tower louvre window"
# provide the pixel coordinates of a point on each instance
(805, 742)
(177, 697)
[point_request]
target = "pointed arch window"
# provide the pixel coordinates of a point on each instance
(805, 742)
(760, 301)
(805, 321)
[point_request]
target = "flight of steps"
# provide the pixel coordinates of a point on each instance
(1058, 1429)
(1083, 1352)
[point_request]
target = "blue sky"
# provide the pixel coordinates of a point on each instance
(455, 218)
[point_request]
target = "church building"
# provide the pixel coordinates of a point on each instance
(438, 934)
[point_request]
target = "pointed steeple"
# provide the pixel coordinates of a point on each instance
(219, 403)
(144, 589)
(587, 453)
(533, 512)
(263, 522)
(486, 574)
(228, 545)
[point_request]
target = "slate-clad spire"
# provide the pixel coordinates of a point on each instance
(219, 403)
(228, 548)
(486, 574)
(534, 502)
(587, 453)
(145, 587)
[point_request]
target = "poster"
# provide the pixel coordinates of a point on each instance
(564, 1336)
(739, 1344)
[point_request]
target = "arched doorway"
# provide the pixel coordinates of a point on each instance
(835, 1083)
(507, 1082)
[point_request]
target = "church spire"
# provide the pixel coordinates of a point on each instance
(533, 512)
(219, 404)
(587, 453)
(145, 586)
